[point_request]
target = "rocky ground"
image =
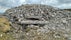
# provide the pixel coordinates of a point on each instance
(35, 22)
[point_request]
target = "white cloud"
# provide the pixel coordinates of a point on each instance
(5, 4)
(50, 2)
(22, 1)
(56, 3)
(64, 6)
(3, 9)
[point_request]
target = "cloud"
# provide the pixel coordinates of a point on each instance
(64, 1)
(3, 9)
(62, 4)
(11, 3)
(5, 4)
(45, 2)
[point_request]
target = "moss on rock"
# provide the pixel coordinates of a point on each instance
(4, 24)
(5, 36)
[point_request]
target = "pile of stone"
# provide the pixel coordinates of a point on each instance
(39, 22)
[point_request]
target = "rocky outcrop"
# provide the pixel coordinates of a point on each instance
(39, 22)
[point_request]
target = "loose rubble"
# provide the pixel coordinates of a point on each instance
(39, 22)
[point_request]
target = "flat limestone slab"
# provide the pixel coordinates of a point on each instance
(33, 22)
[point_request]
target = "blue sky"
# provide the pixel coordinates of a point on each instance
(62, 4)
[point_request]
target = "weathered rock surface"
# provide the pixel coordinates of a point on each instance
(39, 22)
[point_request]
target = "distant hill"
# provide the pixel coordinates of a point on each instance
(68, 9)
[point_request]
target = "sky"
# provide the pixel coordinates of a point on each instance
(6, 4)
